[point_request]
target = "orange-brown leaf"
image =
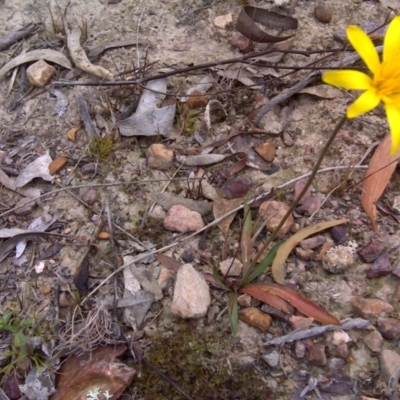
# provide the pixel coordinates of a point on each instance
(260, 293)
(168, 262)
(380, 170)
(222, 206)
(305, 306)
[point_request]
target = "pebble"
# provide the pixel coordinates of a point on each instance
(90, 196)
(40, 73)
(266, 151)
(255, 318)
(380, 267)
(339, 234)
(323, 13)
(304, 254)
(316, 355)
(311, 204)
(271, 357)
(231, 267)
(336, 364)
(159, 157)
(223, 21)
(191, 297)
(89, 170)
(235, 187)
(57, 164)
(298, 187)
(338, 259)
(371, 251)
(389, 328)
(299, 349)
(25, 206)
(164, 277)
(181, 219)
(273, 212)
(374, 342)
(371, 307)
(241, 42)
(298, 322)
(340, 337)
(313, 242)
(389, 361)
(244, 300)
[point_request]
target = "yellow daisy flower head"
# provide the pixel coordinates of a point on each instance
(383, 84)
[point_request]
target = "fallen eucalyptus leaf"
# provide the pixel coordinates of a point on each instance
(38, 168)
(34, 55)
(277, 269)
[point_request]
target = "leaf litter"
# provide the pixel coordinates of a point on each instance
(121, 289)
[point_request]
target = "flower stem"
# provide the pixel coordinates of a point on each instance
(302, 193)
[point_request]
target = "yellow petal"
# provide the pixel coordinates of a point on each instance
(348, 79)
(366, 102)
(391, 43)
(364, 47)
(393, 117)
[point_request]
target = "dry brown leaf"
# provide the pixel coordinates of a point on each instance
(277, 269)
(380, 170)
(71, 134)
(256, 318)
(222, 206)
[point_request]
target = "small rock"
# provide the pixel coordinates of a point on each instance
(241, 42)
(25, 206)
(244, 300)
(223, 21)
(57, 164)
(191, 297)
(389, 328)
(313, 242)
(298, 322)
(103, 235)
(159, 157)
(271, 357)
(40, 73)
(323, 13)
(164, 277)
(181, 219)
(311, 204)
(158, 212)
(245, 362)
(343, 351)
(273, 211)
(90, 196)
(89, 170)
(339, 234)
(304, 254)
(374, 342)
(231, 267)
(266, 151)
(187, 256)
(380, 267)
(63, 299)
(299, 349)
(256, 318)
(235, 188)
(339, 258)
(390, 363)
(298, 187)
(371, 251)
(316, 355)
(371, 307)
(340, 337)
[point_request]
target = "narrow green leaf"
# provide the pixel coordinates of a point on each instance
(233, 312)
(264, 264)
(245, 243)
(218, 279)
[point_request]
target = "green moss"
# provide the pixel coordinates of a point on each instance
(198, 363)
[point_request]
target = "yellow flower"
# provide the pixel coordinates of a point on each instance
(384, 82)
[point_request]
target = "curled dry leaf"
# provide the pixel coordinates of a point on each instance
(380, 170)
(305, 306)
(277, 269)
(35, 55)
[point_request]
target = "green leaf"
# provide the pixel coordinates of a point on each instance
(245, 242)
(218, 279)
(264, 264)
(233, 312)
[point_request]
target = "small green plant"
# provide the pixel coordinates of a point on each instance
(21, 330)
(100, 148)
